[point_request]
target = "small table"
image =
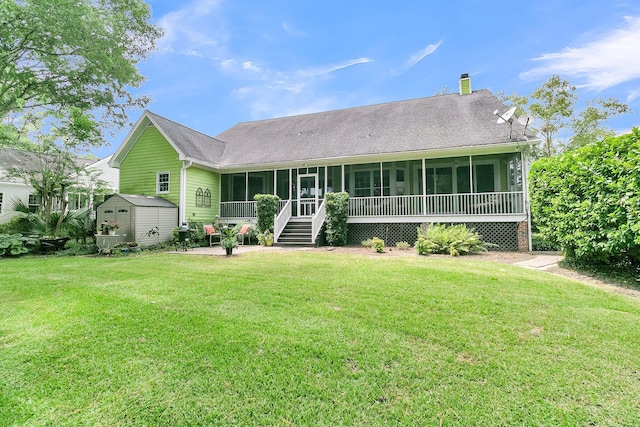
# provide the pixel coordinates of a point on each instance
(106, 242)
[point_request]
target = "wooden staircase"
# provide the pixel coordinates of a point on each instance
(296, 233)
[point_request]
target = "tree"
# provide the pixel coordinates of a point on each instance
(552, 105)
(74, 61)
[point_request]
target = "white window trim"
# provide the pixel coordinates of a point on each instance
(158, 182)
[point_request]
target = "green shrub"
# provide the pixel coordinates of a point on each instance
(588, 200)
(377, 245)
(266, 208)
(337, 205)
(197, 234)
(77, 249)
(402, 246)
(542, 244)
(15, 245)
(17, 225)
(453, 240)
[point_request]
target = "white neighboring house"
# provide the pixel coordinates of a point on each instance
(12, 189)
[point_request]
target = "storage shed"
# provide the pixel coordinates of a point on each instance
(145, 219)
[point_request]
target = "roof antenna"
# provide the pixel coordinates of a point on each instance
(507, 117)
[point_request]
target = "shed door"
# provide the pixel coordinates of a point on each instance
(123, 216)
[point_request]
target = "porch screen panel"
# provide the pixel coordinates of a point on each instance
(282, 184)
(260, 183)
(364, 180)
(439, 180)
(415, 177)
(484, 175)
(321, 182)
(334, 179)
(225, 188)
(238, 190)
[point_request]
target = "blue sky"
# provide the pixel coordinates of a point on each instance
(227, 61)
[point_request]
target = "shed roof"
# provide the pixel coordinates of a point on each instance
(146, 201)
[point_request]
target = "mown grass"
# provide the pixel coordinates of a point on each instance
(294, 338)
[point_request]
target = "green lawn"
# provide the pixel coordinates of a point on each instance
(295, 338)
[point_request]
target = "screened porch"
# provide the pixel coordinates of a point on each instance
(446, 187)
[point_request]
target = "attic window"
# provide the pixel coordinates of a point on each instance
(199, 198)
(162, 182)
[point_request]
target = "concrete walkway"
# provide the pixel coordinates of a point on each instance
(541, 262)
(217, 250)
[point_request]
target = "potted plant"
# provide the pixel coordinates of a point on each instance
(266, 238)
(229, 239)
(111, 226)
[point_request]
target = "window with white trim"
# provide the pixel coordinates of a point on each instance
(162, 182)
(34, 203)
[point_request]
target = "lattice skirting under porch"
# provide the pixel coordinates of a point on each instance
(503, 234)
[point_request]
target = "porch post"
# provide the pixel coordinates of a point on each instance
(275, 182)
(342, 180)
(246, 186)
(471, 173)
(424, 188)
(290, 183)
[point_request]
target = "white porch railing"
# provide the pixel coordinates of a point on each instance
(503, 203)
(242, 209)
(317, 220)
(238, 210)
(499, 203)
(281, 219)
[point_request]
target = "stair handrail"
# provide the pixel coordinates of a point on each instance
(317, 220)
(280, 220)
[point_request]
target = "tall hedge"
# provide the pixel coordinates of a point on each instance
(337, 205)
(588, 200)
(266, 208)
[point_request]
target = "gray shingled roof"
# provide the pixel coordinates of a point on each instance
(438, 122)
(419, 125)
(13, 158)
(191, 143)
(149, 201)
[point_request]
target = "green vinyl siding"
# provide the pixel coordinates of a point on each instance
(151, 154)
(203, 179)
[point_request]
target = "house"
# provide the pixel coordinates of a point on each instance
(100, 176)
(444, 158)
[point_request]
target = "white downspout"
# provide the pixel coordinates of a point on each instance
(182, 213)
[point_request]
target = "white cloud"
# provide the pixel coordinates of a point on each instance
(416, 58)
(321, 71)
(276, 93)
(250, 66)
(633, 95)
(190, 29)
(603, 63)
(289, 29)
(423, 53)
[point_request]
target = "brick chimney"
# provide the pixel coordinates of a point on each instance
(465, 84)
